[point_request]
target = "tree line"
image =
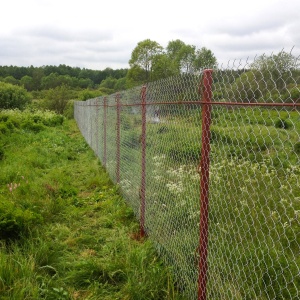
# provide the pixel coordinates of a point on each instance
(47, 77)
(268, 78)
(149, 61)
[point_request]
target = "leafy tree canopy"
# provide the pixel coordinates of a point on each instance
(150, 61)
(13, 96)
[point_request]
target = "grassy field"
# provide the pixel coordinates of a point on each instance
(254, 218)
(65, 231)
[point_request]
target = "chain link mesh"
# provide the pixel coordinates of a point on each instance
(254, 184)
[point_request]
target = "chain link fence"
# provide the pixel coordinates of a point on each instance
(210, 164)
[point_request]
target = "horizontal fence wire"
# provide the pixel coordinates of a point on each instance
(150, 140)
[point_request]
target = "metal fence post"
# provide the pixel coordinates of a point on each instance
(118, 137)
(104, 131)
(97, 127)
(204, 183)
(143, 179)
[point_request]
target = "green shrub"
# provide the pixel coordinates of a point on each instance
(15, 222)
(57, 99)
(1, 152)
(32, 126)
(185, 153)
(131, 139)
(13, 96)
(283, 124)
(69, 110)
(90, 94)
(297, 148)
(54, 120)
(3, 128)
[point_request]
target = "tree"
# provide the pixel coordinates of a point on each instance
(143, 55)
(13, 96)
(174, 48)
(135, 76)
(204, 59)
(27, 82)
(109, 83)
(12, 80)
(120, 84)
(248, 87)
(186, 58)
(57, 99)
(50, 82)
(276, 69)
(37, 75)
(163, 67)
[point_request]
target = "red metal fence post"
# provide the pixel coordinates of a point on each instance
(204, 183)
(104, 131)
(143, 141)
(97, 127)
(118, 138)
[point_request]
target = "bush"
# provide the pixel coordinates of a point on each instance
(297, 148)
(57, 99)
(32, 126)
(3, 128)
(1, 152)
(69, 110)
(13, 96)
(90, 94)
(283, 124)
(15, 222)
(54, 120)
(185, 153)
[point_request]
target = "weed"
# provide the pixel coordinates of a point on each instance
(68, 227)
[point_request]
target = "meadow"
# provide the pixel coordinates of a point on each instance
(65, 230)
(254, 192)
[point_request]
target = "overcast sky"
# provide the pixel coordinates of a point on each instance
(97, 34)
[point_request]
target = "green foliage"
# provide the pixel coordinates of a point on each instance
(1, 149)
(204, 59)
(297, 148)
(69, 110)
(184, 154)
(150, 62)
(109, 83)
(46, 77)
(136, 76)
(246, 88)
(57, 98)
(12, 96)
(15, 221)
(284, 124)
(32, 125)
(143, 55)
(89, 94)
(27, 82)
(75, 237)
(105, 91)
(27, 120)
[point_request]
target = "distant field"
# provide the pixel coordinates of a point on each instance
(254, 195)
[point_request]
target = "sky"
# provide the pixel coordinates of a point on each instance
(97, 34)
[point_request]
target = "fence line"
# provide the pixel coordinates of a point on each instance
(233, 231)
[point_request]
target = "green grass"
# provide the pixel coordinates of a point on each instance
(66, 233)
(254, 198)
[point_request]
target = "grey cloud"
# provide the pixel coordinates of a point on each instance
(60, 34)
(46, 48)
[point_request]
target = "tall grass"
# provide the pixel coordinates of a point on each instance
(254, 198)
(66, 233)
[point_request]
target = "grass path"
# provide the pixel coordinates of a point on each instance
(76, 234)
